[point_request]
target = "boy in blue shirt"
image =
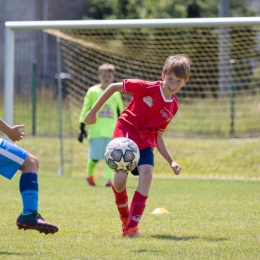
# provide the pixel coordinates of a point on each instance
(13, 158)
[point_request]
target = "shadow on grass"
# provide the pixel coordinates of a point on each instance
(148, 250)
(103, 186)
(170, 237)
(176, 238)
(11, 253)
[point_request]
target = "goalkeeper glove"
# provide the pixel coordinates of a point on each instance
(82, 133)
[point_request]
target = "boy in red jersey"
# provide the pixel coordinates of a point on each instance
(150, 110)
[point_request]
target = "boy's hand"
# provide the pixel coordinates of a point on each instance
(14, 134)
(90, 118)
(176, 168)
(82, 133)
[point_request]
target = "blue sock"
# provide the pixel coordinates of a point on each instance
(29, 192)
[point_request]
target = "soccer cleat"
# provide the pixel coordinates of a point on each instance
(36, 222)
(131, 232)
(90, 181)
(109, 183)
(124, 223)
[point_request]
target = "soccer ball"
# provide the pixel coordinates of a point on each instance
(122, 154)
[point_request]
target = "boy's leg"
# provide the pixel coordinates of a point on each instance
(109, 175)
(139, 200)
(30, 218)
(108, 171)
(121, 198)
(13, 158)
(96, 153)
(91, 165)
(29, 185)
(97, 148)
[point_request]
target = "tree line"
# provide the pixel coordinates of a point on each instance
(152, 9)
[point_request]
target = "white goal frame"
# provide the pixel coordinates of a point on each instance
(11, 27)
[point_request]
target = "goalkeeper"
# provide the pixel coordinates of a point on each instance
(100, 134)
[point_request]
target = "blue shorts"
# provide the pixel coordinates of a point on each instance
(11, 158)
(97, 147)
(146, 157)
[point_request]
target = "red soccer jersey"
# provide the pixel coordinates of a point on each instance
(147, 112)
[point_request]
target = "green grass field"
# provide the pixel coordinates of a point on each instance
(200, 158)
(209, 219)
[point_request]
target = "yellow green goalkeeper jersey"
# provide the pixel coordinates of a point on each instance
(106, 117)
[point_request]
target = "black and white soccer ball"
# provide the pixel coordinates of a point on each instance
(122, 154)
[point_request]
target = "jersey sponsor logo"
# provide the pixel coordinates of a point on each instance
(168, 112)
(123, 205)
(148, 101)
(164, 114)
(105, 112)
(136, 218)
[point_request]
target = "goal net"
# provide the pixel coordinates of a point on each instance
(220, 100)
(221, 97)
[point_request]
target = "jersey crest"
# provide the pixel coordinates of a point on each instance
(148, 101)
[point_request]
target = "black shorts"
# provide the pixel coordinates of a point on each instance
(146, 157)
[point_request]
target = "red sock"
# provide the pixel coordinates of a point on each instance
(136, 210)
(122, 203)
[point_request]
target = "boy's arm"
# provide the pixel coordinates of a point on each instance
(120, 105)
(86, 106)
(90, 117)
(11, 131)
(166, 155)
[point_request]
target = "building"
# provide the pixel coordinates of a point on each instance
(29, 43)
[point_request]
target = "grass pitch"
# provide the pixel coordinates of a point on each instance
(209, 219)
(199, 158)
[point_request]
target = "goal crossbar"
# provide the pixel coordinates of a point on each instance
(133, 23)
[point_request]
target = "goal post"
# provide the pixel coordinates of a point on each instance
(9, 76)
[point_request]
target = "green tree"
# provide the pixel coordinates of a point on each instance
(147, 9)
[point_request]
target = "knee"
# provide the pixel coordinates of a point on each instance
(119, 186)
(32, 162)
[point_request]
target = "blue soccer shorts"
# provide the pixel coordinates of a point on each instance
(146, 157)
(11, 158)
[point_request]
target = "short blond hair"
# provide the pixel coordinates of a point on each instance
(106, 67)
(179, 65)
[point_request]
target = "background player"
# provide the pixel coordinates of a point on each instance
(99, 135)
(150, 110)
(13, 158)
